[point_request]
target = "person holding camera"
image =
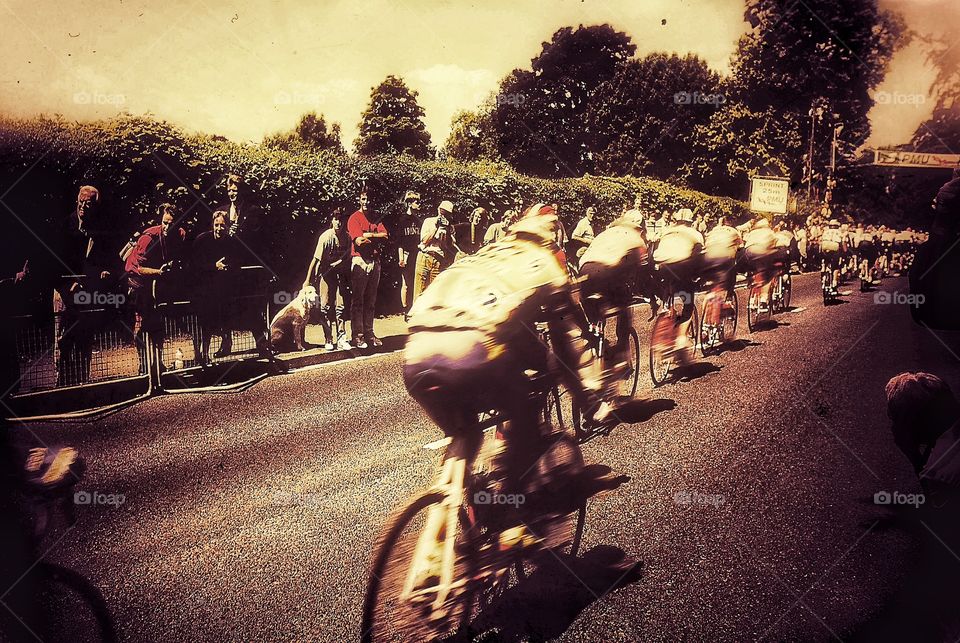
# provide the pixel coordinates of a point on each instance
(156, 253)
(438, 247)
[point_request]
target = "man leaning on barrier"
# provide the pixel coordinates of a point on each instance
(157, 252)
(89, 267)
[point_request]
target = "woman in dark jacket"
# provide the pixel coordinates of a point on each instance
(214, 259)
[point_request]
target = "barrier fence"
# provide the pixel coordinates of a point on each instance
(85, 357)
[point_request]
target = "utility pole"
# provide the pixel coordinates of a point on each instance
(816, 111)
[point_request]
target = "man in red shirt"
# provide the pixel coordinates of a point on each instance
(157, 249)
(367, 235)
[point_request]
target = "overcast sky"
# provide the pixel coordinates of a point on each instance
(244, 68)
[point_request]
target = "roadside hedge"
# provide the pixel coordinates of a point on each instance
(139, 162)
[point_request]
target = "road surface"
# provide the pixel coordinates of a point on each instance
(749, 506)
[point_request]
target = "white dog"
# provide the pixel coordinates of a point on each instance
(290, 324)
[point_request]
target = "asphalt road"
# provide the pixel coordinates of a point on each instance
(749, 506)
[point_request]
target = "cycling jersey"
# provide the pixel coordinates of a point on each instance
(722, 244)
(830, 240)
(759, 243)
(677, 243)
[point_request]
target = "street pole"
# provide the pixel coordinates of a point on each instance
(813, 125)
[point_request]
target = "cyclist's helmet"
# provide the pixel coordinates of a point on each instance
(538, 221)
(684, 215)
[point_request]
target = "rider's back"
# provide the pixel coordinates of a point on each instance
(677, 243)
(504, 284)
(722, 243)
(620, 244)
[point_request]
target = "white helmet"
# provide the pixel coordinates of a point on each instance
(685, 215)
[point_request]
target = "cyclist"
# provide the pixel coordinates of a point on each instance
(867, 255)
(719, 260)
(759, 258)
(887, 237)
(472, 338)
(830, 253)
(678, 258)
(612, 269)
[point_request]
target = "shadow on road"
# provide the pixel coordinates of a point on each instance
(736, 346)
(543, 605)
(694, 371)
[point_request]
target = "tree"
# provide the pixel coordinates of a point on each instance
(799, 54)
(539, 114)
(312, 131)
(393, 122)
(642, 119)
(738, 142)
(472, 137)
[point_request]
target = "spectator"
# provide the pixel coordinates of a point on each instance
(215, 255)
(582, 234)
(408, 238)
(91, 268)
(473, 231)
(438, 247)
(328, 273)
(155, 254)
(498, 230)
(934, 271)
(924, 415)
(247, 310)
(367, 235)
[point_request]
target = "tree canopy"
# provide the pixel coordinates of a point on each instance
(393, 122)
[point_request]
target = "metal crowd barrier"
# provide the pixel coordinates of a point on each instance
(98, 366)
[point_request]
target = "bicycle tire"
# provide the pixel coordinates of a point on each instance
(734, 315)
(632, 378)
(752, 295)
(372, 625)
(659, 364)
(99, 622)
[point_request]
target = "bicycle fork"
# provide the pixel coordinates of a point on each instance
(440, 528)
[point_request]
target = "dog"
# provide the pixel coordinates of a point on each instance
(289, 325)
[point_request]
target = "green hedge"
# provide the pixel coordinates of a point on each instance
(139, 162)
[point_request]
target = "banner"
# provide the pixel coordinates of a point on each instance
(769, 194)
(896, 158)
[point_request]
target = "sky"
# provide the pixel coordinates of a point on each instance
(243, 69)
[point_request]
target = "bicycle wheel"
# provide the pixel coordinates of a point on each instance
(693, 333)
(387, 616)
(753, 299)
(709, 334)
(730, 316)
(627, 385)
(75, 608)
(660, 359)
